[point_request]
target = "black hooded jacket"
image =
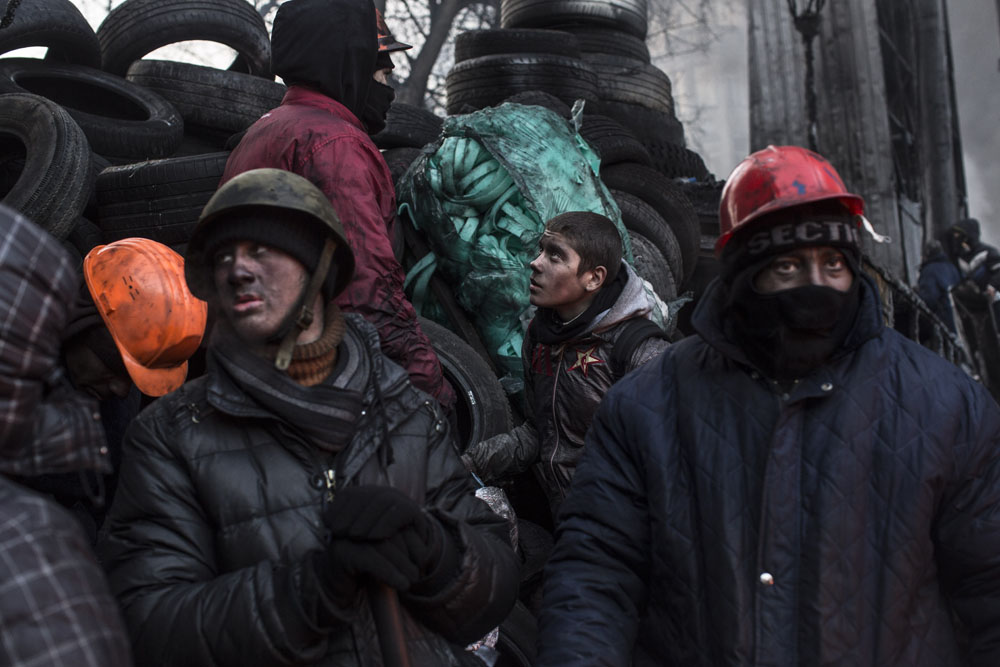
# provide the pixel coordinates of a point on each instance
(976, 260)
(329, 45)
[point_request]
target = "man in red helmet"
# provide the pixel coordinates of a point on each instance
(335, 61)
(796, 484)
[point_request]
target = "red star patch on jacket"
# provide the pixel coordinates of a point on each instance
(584, 358)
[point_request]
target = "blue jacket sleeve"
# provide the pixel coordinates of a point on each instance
(967, 532)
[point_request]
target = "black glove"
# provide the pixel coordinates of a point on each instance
(382, 533)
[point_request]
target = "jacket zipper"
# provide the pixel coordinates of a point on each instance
(555, 426)
(331, 483)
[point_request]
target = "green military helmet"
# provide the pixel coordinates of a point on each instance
(276, 208)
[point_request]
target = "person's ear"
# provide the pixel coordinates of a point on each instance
(597, 277)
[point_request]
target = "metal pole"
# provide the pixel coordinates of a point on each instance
(389, 624)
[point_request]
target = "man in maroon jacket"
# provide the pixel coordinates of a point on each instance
(325, 50)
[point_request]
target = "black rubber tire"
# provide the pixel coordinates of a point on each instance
(652, 265)
(648, 125)
(482, 408)
(612, 42)
(540, 98)
(489, 80)
(518, 637)
(58, 175)
(196, 142)
(160, 199)
(613, 141)
(667, 199)
(211, 98)
(408, 126)
(705, 196)
(475, 43)
(137, 27)
(56, 24)
(399, 160)
(85, 236)
(640, 217)
(631, 82)
(677, 161)
(625, 15)
(123, 122)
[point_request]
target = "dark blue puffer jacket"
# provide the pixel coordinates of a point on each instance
(714, 520)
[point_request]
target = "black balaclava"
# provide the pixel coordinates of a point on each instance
(380, 97)
(789, 333)
(329, 45)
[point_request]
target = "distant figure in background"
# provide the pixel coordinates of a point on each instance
(938, 274)
(976, 260)
(55, 608)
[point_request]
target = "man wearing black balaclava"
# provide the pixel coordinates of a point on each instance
(328, 52)
(796, 483)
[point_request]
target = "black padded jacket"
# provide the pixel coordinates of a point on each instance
(219, 504)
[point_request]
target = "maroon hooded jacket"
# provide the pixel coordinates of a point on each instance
(316, 133)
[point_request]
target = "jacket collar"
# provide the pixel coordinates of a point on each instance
(368, 372)
(310, 97)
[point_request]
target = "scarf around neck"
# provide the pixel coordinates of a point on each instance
(547, 328)
(326, 414)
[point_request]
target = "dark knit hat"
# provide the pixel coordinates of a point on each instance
(295, 233)
(789, 230)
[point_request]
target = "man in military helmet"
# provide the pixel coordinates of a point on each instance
(796, 484)
(263, 505)
(335, 57)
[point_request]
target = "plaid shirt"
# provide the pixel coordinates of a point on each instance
(55, 605)
(45, 425)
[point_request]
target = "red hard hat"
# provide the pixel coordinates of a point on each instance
(777, 178)
(386, 42)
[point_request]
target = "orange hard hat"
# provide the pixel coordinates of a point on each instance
(386, 42)
(139, 289)
(776, 178)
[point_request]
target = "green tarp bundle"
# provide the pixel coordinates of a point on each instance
(481, 195)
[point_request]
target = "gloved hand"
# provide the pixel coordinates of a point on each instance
(380, 532)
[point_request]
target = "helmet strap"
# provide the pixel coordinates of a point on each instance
(305, 317)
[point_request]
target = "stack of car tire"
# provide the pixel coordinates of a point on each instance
(554, 52)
